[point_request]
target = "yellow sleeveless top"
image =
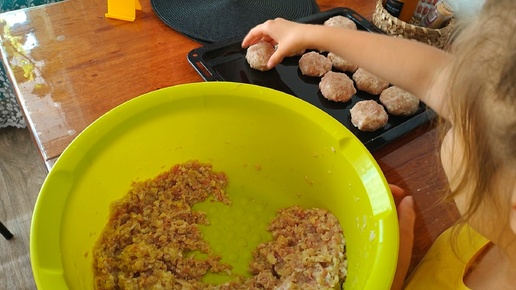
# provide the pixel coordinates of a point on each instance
(446, 263)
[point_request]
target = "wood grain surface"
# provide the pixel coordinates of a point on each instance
(22, 172)
(70, 65)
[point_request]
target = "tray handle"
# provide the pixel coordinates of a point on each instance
(195, 59)
(368, 25)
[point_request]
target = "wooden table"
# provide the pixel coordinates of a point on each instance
(69, 65)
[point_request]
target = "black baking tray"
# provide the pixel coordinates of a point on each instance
(226, 62)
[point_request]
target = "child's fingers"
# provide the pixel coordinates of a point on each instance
(397, 191)
(249, 40)
(276, 58)
(256, 34)
(252, 37)
(406, 219)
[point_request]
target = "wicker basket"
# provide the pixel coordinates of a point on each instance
(395, 27)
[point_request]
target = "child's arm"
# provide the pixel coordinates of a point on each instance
(408, 64)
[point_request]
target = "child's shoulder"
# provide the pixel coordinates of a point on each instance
(445, 263)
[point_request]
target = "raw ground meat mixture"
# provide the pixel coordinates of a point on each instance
(307, 251)
(152, 232)
(259, 54)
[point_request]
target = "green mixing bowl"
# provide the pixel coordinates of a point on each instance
(276, 150)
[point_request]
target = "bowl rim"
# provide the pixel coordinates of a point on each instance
(385, 215)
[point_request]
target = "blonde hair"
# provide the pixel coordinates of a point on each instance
(482, 101)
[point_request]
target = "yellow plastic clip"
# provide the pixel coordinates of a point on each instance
(123, 9)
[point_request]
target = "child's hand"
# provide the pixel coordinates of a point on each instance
(286, 34)
(406, 219)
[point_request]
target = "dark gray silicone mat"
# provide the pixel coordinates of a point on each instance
(208, 21)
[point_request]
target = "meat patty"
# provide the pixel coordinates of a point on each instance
(368, 115)
(368, 82)
(314, 64)
(258, 55)
(341, 21)
(337, 86)
(341, 64)
(296, 53)
(399, 102)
